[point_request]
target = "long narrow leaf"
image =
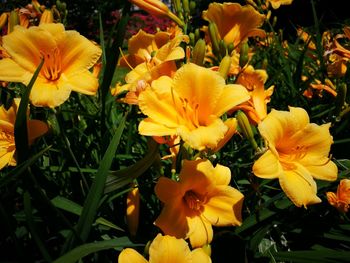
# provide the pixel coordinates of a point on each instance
(81, 251)
(21, 133)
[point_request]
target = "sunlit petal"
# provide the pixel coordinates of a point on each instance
(130, 255)
(268, 166)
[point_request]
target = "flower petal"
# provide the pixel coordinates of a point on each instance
(36, 129)
(130, 255)
(168, 190)
(224, 207)
(13, 72)
(77, 52)
(222, 175)
(48, 94)
(149, 127)
(169, 249)
(204, 136)
(6, 158)
(199, 256)
(231, 96)
(83, 82)
(268, 166)
(328, 171)
(200, 231)
(24, 46)
(299, 186)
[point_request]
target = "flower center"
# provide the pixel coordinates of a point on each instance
(52, 64)
(194, 201)
(190, 113)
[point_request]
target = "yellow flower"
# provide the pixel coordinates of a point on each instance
(341, 200)
(68, 57)
(36, 128)
(201, 198)
(235, 23)
(254, 80)
(277, 3)
(190, 105)
(166, 249)
(297, 154)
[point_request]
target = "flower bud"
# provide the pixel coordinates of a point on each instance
(243, 57)
(13, 20)
(186, 6)
(340, 99)
(46, 17)
(223, 48)
(214, 37)
(3, 20)
(207, 249)
(199, 52)
(246, 128)
(225, 66)
(133, 210)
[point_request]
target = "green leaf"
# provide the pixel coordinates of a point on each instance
(118, 179)
(325, 256)
(21, 132)
(94, 196)
(81, 251)
(67, 205)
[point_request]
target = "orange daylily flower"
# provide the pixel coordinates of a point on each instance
(317, 88)
(190, 106)
(235, 23)
(36, 129)
(201, 198)
(341, 199)
(297, 154)
(166, 249)
(253, 80)
(68, 58)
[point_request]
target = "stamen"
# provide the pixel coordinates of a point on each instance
(52, 65)
(193, 201)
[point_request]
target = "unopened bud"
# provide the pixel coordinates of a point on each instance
(246, 128)
(214, 37)
(186, 6)
(264, 63)
(340, 99)
(3, 20)
(199, 52)
(230, 48)
(192, 6)
(46, 17)
(225, 66)
(197, 34)
(192, 39)
(243, 55)
(223, 48)
(13, 20)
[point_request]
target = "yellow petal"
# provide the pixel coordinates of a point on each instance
(231, 123)
(299, 186)
(222, 175)
(25, 45)
(231, 96)
(267, 166)
(199, 256)
(328, 171)
(199, 85)
(224, 207)
(77, 52)
(149, 127)
(13, 72)
(83, 82)
(201, 231)
(130, 255)
(204, 136)
(157, 103)
(6, 158)
(48, 94)
(167, 249)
